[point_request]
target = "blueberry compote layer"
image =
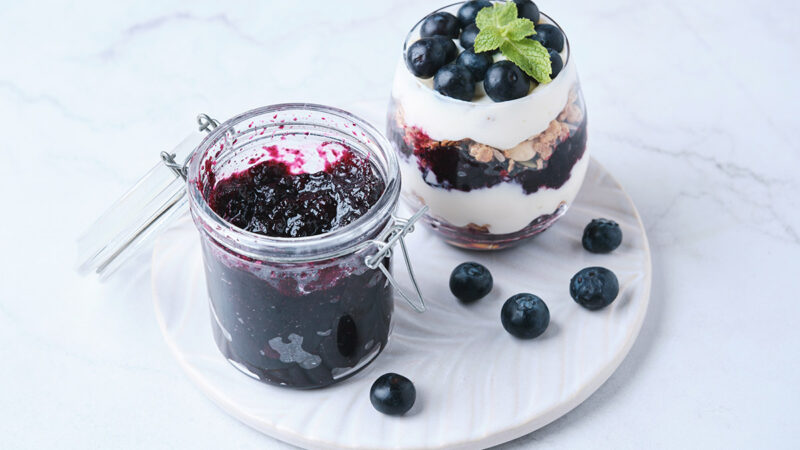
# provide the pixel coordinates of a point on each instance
(459, 164)
(305, 324)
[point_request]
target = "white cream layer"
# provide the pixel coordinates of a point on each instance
(505, 207)
(501, 125)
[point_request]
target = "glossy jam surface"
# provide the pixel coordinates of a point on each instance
(278, 197)
(305, 324)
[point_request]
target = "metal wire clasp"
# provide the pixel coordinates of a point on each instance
(205, 123)
(399, 230)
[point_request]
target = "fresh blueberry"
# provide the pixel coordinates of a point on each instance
(525, 316)
(550, 36)
(440, 24)
(505, 81)
(601, 235)
(468, 36)
(450, 49)
(528, 10)
(425, 57)
(392, 394)
(555, 62)
(476, 63)
(454, 81)
(594, 287)
(470, 282)
(466, 14)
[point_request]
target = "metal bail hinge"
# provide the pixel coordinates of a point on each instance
(205, 123)
(399, 230)
(169, 161)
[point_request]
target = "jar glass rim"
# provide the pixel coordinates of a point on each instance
(309, 248)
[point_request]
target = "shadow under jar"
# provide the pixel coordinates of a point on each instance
(307, 311)
(492, 174)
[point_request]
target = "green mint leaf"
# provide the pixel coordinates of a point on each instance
(499, 15)
(489, 38)
(530, 56)
(519, 29)
(501, 28)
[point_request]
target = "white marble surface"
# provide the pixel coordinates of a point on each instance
(692, 106)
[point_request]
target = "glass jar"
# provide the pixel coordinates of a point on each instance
(493, 174)
(301, 312)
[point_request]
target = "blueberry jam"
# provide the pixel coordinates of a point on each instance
(302, 326)
(272, 199)
(297, 324)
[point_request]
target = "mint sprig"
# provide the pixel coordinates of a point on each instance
(501, 28)
(531, 56)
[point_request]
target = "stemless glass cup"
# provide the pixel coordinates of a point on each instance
(300, 312)
(492, 174)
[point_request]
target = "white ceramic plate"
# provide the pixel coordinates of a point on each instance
(477, 386)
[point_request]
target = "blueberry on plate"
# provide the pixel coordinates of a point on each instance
(550, 36)
(525, 316)
(556, 63)
(528, 10)
(467, 39)
(476, 63)
(450, 49)
(470, 282)
(440, 24)
(425, 57)
(594, 287)
(505, 81)
(469, 10)
(392, 394)
(601, 235)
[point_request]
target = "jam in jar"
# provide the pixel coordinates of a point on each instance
(291, 201)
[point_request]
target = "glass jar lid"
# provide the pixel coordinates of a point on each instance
(157, 198)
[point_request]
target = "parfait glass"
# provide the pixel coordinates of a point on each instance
(492, 174)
